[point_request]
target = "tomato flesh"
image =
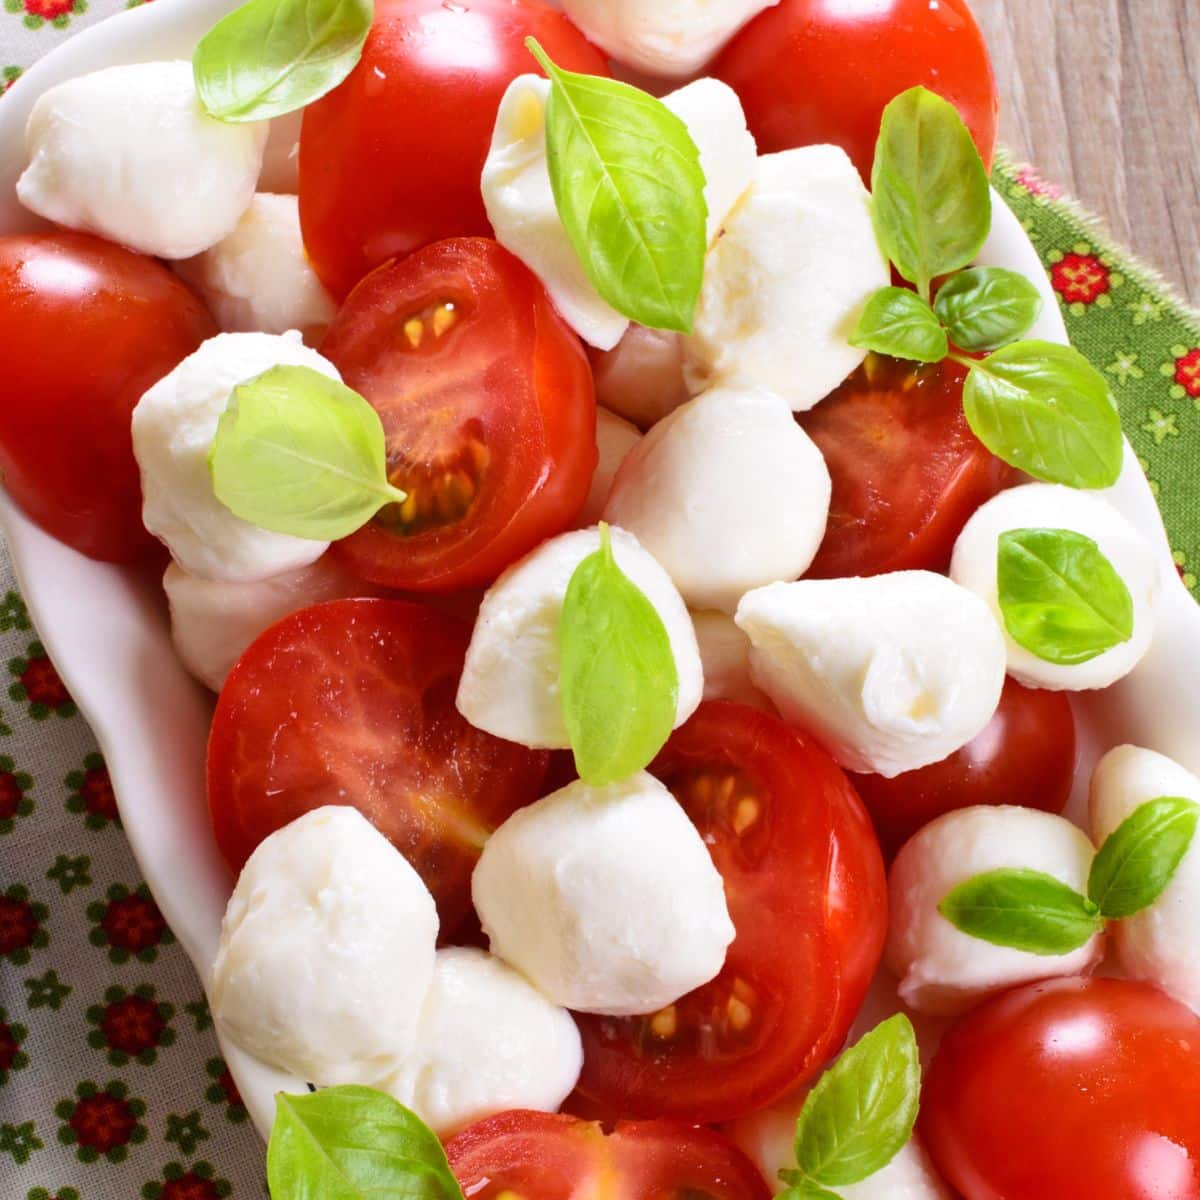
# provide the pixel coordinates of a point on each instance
(85, 328)
(391, 159)
(352, 702)
(1075, 1089)
(907, 470)
(488, 407)
(813, 72)
(806, 892)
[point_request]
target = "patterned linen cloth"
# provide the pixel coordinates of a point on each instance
(111, 1083)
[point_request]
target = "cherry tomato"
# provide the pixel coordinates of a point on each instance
(805, 887)
(823, 71)
(1025, 756)
(85, 328)
(352, 702)
(544, 1156)
(487, 402)
(1075, 1089)
(390, 160)
(907, 470)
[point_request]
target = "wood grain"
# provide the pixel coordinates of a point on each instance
(1104, 96)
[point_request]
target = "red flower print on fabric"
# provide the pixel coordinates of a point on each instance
(1081, 278)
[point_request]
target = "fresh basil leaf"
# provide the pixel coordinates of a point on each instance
(348, 1143)
(931, 200)
(899, 323)
(1023, 910)
(297, 452)
(987, 307)
(804, 1189)
(1140, 857)
(629, 189)
(861, 1113)
(1046, 410)
(617, 679)
(271, 57)
(1060, 598)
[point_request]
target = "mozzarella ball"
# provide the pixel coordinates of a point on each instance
(326, 951)
(1048, 506)
(728, 493)
(641, 379)
(891, 673)
(605, 898)
(281, 158)
(785, 286)
(212, 623)
(725, 656)
(520, 200)
(671, 38)
(130, 154)
(174, 424)
(509, 685)
(615, 437)
(1158, 944)
(488, 1042)
(259, 279)
(944, 971)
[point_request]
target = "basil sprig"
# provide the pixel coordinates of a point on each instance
(1060, 597)
(350, 1143)
(618, 682)
(629, 190)
(860, 1114)
(1040, 407)
(1032, 911)
(271, 57)
(299, 453)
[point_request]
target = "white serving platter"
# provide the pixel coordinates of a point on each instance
(107, 627)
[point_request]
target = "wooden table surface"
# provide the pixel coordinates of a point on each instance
(1104, 97)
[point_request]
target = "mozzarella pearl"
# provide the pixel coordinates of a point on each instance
(615, 438)
(725, 655)
(728, 493)
(130, 154)
(326, 951)
(641, 379)
(1048, 506)
(173, 428)
(605, 898)
(509, 684)
(891, 673)
(1158, 944)
(944, 971)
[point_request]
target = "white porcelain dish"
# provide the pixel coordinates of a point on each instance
(108, 630)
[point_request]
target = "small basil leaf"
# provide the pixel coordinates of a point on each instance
(617, 678)
(805, 1189)
(271, 57)
(1060, 598)
(1023, 910)
(348, 1143)
(297, 452)
(861, 1113)
(1140, 857)
(629, 189)
(1046, 410)
(931, 200)
(899, 323)
(987, 307)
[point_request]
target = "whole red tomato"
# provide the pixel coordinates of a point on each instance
(390, 160)
(816, 71)
(1076, 1089)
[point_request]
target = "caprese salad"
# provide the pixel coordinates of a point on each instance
(643, 563)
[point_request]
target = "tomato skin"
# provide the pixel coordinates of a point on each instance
(352, 702)
(1075, 1089)
(805, 886)
(391, 159)
(822, 71)
(508, 378)
(907, 471)
(1026, 755)
(85, 328)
